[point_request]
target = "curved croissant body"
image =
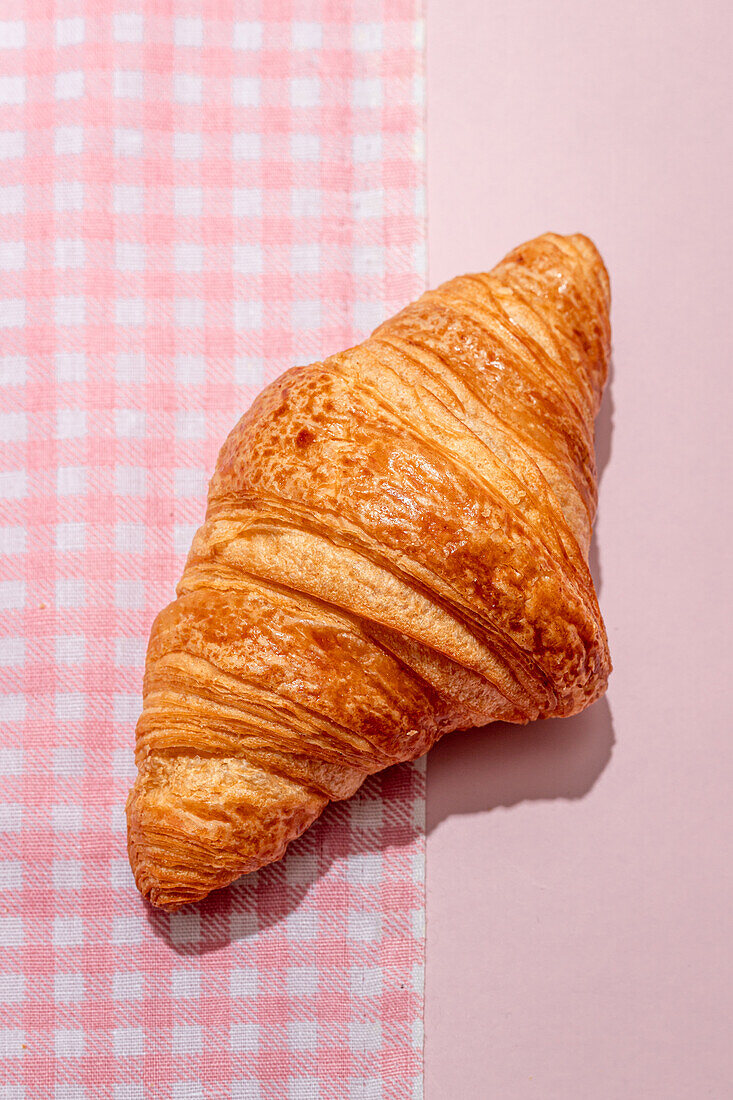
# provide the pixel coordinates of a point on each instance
(395, 547)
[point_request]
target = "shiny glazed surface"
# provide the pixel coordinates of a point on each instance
(395, 547)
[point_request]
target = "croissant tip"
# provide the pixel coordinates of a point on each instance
(161, 894)
(169, 903)
(586, 244)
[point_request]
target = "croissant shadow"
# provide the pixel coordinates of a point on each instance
(472, 771)
(503, 765)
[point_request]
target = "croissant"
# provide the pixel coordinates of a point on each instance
(395, 546)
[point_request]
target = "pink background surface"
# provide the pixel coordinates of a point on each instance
(579, 873)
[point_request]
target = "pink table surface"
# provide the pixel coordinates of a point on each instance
(579, 873)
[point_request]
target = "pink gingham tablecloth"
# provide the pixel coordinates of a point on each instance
(194, 195)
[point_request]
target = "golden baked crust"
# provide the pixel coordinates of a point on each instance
(395, 546)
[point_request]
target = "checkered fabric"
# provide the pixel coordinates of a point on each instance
(194, 195)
